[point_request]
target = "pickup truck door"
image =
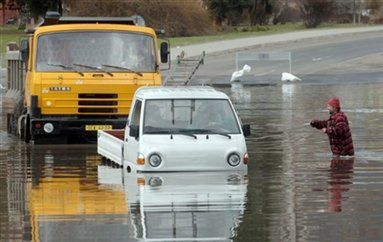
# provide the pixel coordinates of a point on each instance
(131, 142)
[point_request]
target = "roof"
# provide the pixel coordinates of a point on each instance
(113, 20)
(191, 92)
(94, 27)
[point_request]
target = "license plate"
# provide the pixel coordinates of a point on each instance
(98, 127)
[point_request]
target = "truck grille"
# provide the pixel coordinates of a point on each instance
(97, 103)
(88, 103)
(97, 95)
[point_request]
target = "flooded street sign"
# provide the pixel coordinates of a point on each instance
(254, 57)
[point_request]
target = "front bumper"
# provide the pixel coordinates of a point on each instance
(74, 126)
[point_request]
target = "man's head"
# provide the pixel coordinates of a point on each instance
(333, 105)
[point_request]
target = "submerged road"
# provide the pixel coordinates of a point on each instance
(292, 192)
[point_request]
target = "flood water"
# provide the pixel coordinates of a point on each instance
(291, 192)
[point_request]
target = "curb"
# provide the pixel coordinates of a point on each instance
(226, 46)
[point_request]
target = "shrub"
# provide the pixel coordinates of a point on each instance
(178, 18)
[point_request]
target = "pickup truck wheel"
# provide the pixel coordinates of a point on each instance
(27, 129)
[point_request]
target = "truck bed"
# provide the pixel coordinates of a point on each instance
(110, 143)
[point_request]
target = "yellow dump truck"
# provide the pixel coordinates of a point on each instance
(81, 75)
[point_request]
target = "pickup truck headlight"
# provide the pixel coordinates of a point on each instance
(233, 159)
(155, 160)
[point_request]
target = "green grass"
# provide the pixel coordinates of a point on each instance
(235, 33)
(243, 32)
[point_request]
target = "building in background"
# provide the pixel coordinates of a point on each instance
(9, 12)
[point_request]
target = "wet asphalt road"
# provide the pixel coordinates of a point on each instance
(291, 192)
(349, 58)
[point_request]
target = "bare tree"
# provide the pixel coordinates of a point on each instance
(260, 11)
(314, 12)
(285, 11)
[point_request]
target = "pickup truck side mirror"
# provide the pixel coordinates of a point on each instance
(246, 130)
(134, 131)
(164, 49)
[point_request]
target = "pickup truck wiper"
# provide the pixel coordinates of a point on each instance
(171, 132)
(209, 131)
(124, 68)
(94, 68)
(66, 67)
(186, 134)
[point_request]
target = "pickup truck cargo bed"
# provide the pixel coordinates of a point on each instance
(110, 143)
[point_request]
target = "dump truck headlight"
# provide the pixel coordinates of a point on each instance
(48, 128)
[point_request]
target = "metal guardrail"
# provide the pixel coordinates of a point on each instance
(262, 56)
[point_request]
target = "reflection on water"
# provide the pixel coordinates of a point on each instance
(58, 196)
(293, 190)
(239, 93)
(186, 206)
(341, 171)
(61, 196)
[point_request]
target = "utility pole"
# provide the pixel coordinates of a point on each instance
(354, 12)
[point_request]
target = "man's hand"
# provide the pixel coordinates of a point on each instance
(324, 130)
(313, 123)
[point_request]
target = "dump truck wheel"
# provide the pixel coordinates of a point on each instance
(27, 130)
(9, 123)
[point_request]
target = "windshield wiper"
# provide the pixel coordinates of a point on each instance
(171, 132)
(209, 131)
(66, 67)
(186, 134)
(124, 68)
(94, 68)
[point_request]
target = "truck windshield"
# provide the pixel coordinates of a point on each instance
(114, 51)
(193, 116)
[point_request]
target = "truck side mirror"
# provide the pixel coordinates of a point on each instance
(164, 49)
(24, 50)
(134, 131)
(246, 130)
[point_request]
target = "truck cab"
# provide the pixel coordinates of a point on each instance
(82, 73)
(178, 129)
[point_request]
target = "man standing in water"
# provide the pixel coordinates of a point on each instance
(337, 129)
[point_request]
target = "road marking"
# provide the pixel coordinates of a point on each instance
(320, 58)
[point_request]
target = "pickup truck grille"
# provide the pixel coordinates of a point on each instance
(88, 103)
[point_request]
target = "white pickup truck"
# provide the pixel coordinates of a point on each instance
(178, 129)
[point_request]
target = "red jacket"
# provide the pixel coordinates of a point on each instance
(338, 132)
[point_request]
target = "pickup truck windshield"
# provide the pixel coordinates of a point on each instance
(111, 51)
(195, 116)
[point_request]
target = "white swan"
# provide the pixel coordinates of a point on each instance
(238, 74)
(287, 77)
